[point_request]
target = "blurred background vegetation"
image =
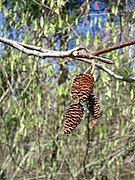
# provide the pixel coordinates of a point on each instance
(35, 93)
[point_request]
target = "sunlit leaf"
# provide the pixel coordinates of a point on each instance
(42, 21)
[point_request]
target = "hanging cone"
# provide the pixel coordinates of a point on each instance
(94, 106)
(73, 117)
(82, 86)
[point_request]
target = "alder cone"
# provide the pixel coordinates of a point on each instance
(94, 106)
(73, 117)
(82, 86)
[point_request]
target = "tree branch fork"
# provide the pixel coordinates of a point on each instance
(79, 53)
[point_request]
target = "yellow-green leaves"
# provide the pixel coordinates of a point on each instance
(41, 21)
(115, 9)
(59, 22)
(132, 94)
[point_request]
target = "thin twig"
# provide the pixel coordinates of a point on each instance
(100, 66)
(90, 68)
(65, 160)
(113, 74)
(93, 66)
(70, 26)
(87, 148)
(47, 7)
(89, 55)
(111, 157)
(112, 48)
(4, 95)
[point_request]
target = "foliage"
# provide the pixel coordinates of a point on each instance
(34, 98)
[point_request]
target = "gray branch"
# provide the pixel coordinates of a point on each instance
(79, 53)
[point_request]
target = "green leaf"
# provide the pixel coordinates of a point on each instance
(42, 21)
(132, 94)
(45, 30)
(60, 90)
(60, 22)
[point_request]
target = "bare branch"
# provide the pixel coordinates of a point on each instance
(102, 51)
(90, 55)
(31, 47)
(112, 48)
(113, 74)
(79, 53)
(46, 53)
(100, 66)
(73, 53)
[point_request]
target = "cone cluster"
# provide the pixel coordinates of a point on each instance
(81, 90)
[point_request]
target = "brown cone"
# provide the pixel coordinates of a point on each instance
(94, 106)
(73, 117)
(82, 86)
